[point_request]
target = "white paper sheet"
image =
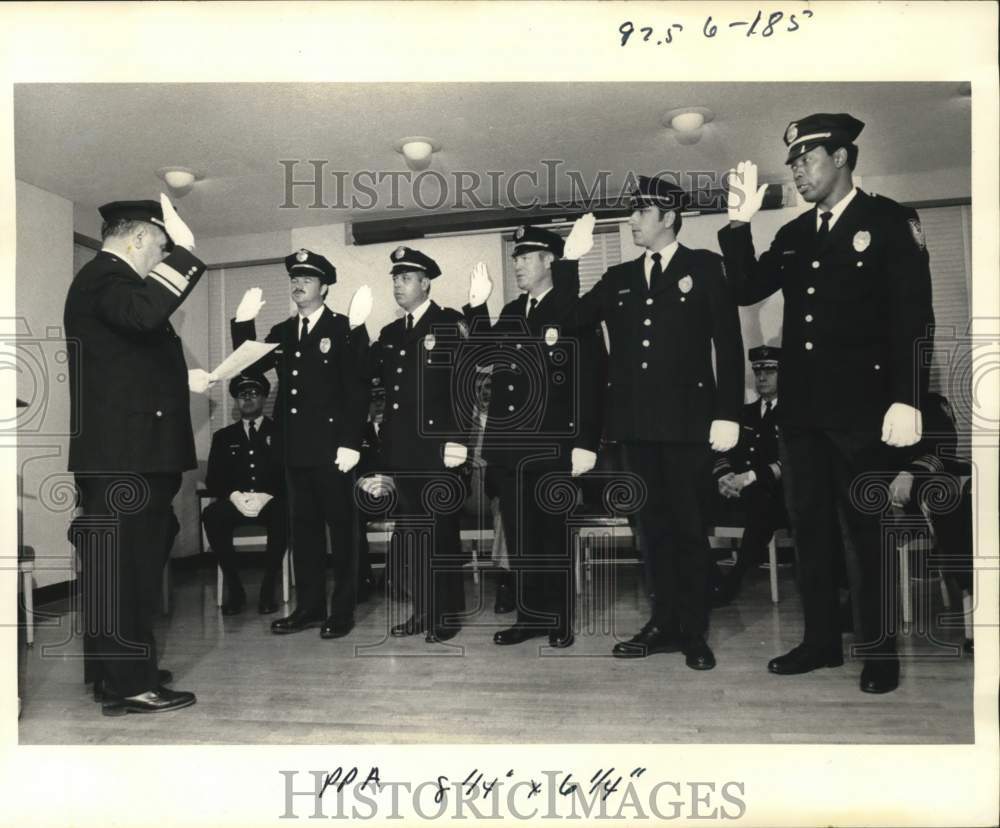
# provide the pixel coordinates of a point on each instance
(247, 354)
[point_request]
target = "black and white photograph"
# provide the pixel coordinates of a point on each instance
(528, 411)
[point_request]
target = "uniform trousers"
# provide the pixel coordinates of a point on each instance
(827, 471)
(678, 478)
(427, 542)
(538, 548)
(221, 517)
(321, 497)
(123, 537)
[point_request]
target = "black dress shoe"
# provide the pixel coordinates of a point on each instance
(517, 634)
(561, 639)
(504, 601)
(804, 659)
(649, 640)
(880, 676)
(441, 634)
(411, 626)
(698, 655)
(103, 693)
(336, 627)
(297, 622)
(159, 700)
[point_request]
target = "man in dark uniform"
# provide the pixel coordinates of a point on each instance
(246, 475)
(131, 439)
(423, 444)
(748, 478)
(319, 416)
(857, 290)
(370, 463)
(665, 313)
(543, 421)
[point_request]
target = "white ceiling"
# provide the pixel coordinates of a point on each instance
(92, 143)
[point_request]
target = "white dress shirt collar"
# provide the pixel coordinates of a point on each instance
(837, 209)
(419, 311)
(666, 254)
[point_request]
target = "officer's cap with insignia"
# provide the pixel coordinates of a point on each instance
(657, 192)
(764, 356)
(306, 263)
(148, 211)
(241, 381)
(406, 259)
(528, 239)
(821, 130)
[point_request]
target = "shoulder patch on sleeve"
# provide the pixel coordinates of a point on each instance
(918, 233)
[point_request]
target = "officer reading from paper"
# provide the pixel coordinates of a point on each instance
(856, 283)
(319, 413)
(246, 476)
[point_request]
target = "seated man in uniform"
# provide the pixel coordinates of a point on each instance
(748, 477)
(246, 477)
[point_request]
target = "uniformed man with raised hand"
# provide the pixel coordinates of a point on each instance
(856, 282)
(320, 411)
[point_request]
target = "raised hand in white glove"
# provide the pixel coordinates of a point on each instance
(581, 238)
(180, 234)
(250, 305)
(480, 285)
(361, 306)
(723, 434)
(199, 380)
(745, 197)
(454, 454)
(347, 459)
(902, 425)
(582, 461)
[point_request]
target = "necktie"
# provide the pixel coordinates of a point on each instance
(409, 322)
(768, 407)
(532, 304)
(655, 272)
(824, 228)
(305, 328)
(251, 431)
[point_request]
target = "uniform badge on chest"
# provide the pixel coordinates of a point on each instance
(685, 284)
(324, 345)
(430, 342)
(267, 440)
(862, 240)
(551, 336)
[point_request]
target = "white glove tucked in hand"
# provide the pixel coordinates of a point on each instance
(361, 306)
(376, 485)
(347, 459)
(581, 238)
(180, 234)
(199, 380)
(454, 455)
(243, 503)
(480, 285)
(250, 305)
(745, 197)
(901, 488)
(723, 434)
(582, 461)
(902, 426)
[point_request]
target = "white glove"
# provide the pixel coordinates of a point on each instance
(257, 501)
(582, 461)
(199, 380)
(454, 454)
(902, 425)
(242, 503)
(250, 305)
(361, 306)
(581, 238)
(376, 485)
(180, 234)
(347, 459)
(745, 199)
(723, 434)
(901, 488)
(480, 285)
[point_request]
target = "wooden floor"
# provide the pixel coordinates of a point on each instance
(257, 688)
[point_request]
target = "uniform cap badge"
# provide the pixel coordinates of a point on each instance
(862, 239)
(686, 284)
(324, 345)
(430, 341)
(792, 132)
(398, 253)
(918, 233)
(302, 255)
(551, 336)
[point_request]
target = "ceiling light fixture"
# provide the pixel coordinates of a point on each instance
(687, 122)
(180, 180)
(417, 151)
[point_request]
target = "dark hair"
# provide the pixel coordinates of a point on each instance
(852, 153)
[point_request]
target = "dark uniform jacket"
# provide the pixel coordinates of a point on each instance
(854, 310)
(237, 465)
(323, 390)
(757, 448)
(417, 369)
(128, 380)
(660, 384)
(544, 400)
